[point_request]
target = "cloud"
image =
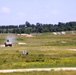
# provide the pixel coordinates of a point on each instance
(55, 12)
(47, 6)
(21, 14)
(5, 10)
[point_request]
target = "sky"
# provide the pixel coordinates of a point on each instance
(15, 12)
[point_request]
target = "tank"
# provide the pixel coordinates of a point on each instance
(8, 43)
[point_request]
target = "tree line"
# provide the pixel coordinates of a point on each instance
(37, 28)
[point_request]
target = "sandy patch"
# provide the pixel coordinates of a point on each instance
(2, 45)
(21, 43)
(72, 49)
(27, 35)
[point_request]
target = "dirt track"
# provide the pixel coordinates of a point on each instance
(35, 69)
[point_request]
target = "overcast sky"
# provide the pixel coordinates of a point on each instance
(15, 12)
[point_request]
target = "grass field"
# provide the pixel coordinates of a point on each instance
(45, 50)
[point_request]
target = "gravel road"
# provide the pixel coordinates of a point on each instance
(36, 69)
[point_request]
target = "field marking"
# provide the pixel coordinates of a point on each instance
(36, 69)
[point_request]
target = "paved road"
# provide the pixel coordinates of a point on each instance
(36, 69)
